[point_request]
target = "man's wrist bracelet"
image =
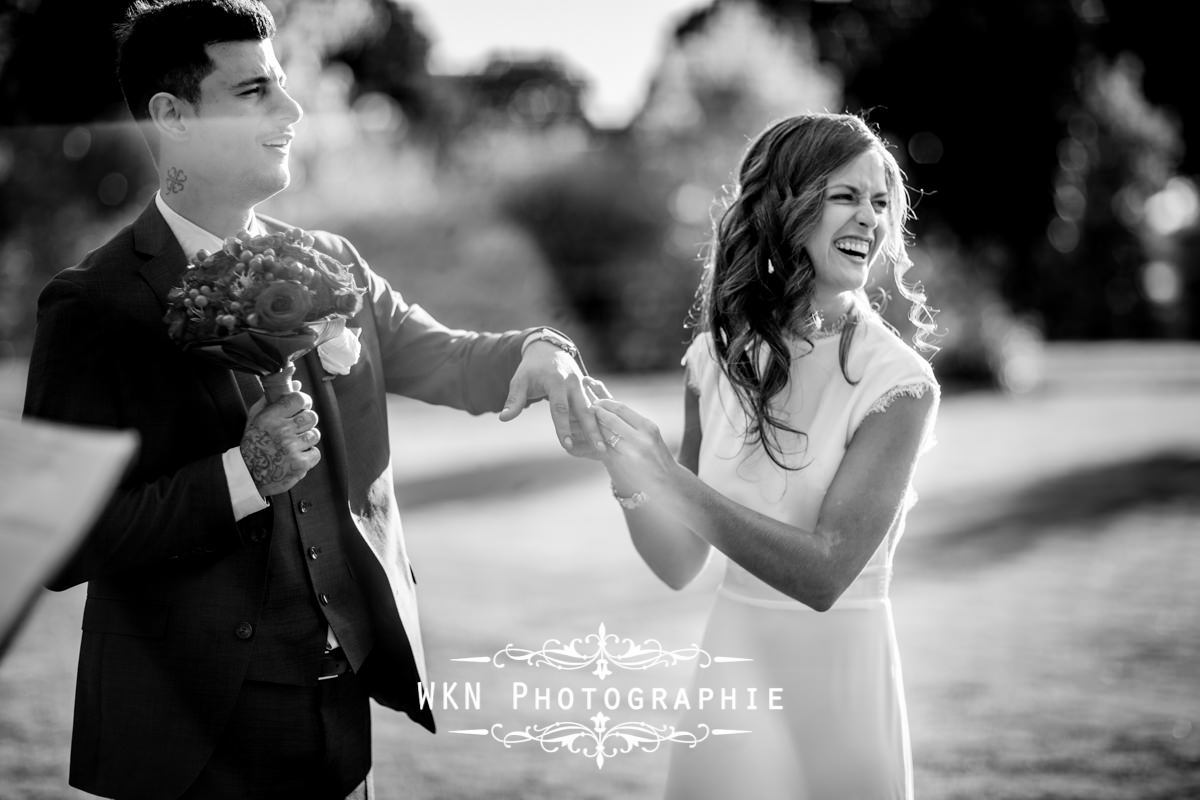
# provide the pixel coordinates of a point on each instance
(554, 338)
(630, 501)
(559, 340)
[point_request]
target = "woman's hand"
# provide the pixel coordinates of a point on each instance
(637, 458)
(644, 472)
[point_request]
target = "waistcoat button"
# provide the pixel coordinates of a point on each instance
(244, 630)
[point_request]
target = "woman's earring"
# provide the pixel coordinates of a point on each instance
(770, 267)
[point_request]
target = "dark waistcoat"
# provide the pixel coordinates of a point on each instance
(310, 584)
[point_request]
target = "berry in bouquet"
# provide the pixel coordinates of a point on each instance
(261, 302)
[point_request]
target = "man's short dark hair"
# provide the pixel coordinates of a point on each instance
(160, 45)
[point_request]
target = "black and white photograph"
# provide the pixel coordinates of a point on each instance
(639, 400)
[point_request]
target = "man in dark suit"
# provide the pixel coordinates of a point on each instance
(248, 586)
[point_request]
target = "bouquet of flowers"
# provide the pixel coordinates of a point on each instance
(261, 302)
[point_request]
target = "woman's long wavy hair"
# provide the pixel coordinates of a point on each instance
(758, 282)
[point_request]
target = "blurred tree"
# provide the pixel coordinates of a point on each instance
(621, 225)
(599, 221)
(735, 66)
(1149, 30)
(391, 58)
(986, 125)
(309, 32)
(729, 71)
(515, 115)
(974, 116)
(534, 92)
(1116, 152)
(716, 87)
(990, 141)
(390, 55)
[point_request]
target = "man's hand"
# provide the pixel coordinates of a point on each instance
(546, 372)
(279, 445)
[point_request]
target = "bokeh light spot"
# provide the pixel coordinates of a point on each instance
(112, 189)
(1162, 282)
(691, 203)
(377, 113)
(1069, 201)
(925, 148)
(76, 143)
(1063, 235)
(1175, 207)
(1072, 155)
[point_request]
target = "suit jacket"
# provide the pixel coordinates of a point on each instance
(172, 578)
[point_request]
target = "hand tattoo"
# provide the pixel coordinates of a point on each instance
(264, 459)
(176, 178)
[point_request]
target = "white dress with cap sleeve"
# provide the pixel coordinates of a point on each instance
(840, 730)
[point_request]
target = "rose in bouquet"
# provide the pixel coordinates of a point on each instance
(261, 302)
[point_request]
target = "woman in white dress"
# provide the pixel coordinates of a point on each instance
(805, 414)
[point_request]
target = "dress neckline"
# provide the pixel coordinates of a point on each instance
(831, 331)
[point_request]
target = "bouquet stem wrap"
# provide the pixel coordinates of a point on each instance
(277, 384)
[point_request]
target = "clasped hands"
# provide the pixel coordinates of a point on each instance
(588, 421)
(548, 373)
(279, 444)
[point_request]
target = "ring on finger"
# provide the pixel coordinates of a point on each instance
(612, 440)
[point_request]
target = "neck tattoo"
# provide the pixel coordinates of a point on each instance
(176, 178)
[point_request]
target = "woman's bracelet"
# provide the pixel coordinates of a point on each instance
(631, 501)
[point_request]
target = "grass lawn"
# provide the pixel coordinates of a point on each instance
(1047, 599)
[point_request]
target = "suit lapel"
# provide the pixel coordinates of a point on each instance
(326, 403)
(162, 269)
(165, 261)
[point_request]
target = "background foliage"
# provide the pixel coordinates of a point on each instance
(1046, 142)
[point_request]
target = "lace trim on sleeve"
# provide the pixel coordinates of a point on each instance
(916, 390)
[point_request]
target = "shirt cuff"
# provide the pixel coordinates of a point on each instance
(243, 494)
